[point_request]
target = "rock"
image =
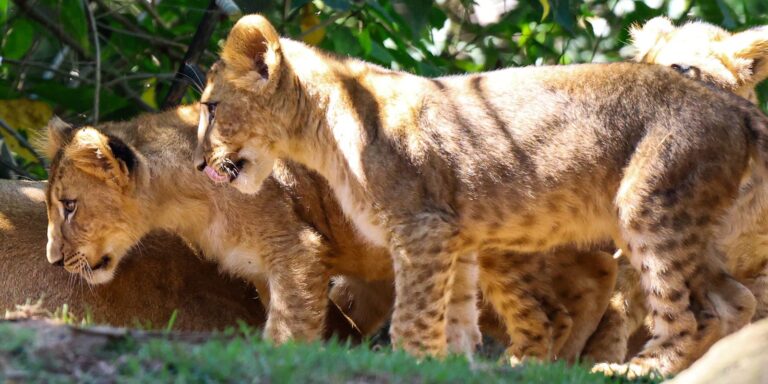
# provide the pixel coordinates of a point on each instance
(738, 358)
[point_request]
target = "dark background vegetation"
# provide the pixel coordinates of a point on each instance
(52, 64)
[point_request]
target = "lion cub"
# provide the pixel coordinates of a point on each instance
(516, 160)
(112, 185)
(736, 62)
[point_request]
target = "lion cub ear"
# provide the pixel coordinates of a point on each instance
(59, 133)
(750, 46)
(253, 47)
(648, 36)
(103, 156)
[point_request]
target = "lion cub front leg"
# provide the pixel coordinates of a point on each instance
(425, 249)
(298, 286)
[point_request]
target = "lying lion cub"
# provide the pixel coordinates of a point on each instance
(516, 160)
(167, 274)
(735, 62)
(300, 232)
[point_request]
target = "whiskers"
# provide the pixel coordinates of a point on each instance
(196, 79)
(81, 273)
(231, 168)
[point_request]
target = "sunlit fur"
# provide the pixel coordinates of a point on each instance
(736, 62)
(294, 203)
(516, 160)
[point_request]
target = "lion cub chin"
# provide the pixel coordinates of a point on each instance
(516, 160)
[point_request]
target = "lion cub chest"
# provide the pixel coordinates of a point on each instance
(365, 220)
(238, 258)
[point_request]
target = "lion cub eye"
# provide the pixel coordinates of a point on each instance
(70, 206)
(687, 70)
(211, 106)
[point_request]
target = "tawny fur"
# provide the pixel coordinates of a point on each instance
(295, 203)
(735, 62)
(517, 160)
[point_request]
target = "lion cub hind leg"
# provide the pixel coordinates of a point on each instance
(583, 281)
(463, 329)
(625, 313)
(667, 209)
(514, 284)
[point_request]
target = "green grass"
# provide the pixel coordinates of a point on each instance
(246, 358)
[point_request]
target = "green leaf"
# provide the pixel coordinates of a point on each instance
(3, 11)
(19, 39)
(415, 13)
(339, 5)
(564, 16)
(381, 54)
(728, 20)
(75, 21)
(344, 42)
(364, 38)
(545, 6)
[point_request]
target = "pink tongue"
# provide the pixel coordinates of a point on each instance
(214, 175)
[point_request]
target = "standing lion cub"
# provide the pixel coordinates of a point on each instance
(516, 160)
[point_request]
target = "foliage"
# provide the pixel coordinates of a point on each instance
(241, 356)
(49, 55)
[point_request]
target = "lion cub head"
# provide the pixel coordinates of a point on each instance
(93, 200)
(251, 87)
(732, 61)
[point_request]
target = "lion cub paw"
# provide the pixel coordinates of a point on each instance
(463, 337)
(629, 370)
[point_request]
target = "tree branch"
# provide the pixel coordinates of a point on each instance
(97, 47)
(196, 48)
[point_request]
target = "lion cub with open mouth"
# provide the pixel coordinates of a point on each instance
(516, 160)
